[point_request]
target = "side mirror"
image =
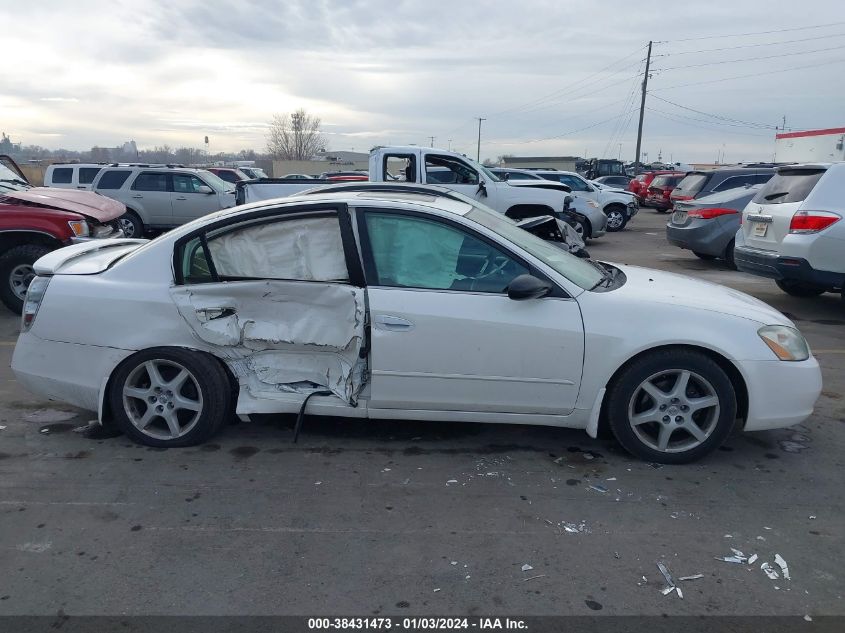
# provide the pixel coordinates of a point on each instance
(567, 202)
(205, 189)
(506, 176)
(482, 188)
(527, 287)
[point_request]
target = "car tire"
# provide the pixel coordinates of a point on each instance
(131, 225)
(582, 227)
(617, 219)
(729, 254)
(170, 397)
(16, 272)
(652, 414)
(799, 289)
(704, 256)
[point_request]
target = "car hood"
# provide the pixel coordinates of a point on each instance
(86, 203)
(660, 287)
(540, 184)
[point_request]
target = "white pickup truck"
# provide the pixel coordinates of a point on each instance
(423, 165)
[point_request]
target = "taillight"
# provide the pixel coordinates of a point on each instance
(812, 221)
(709, 214)
(680, 197)
(34, 295)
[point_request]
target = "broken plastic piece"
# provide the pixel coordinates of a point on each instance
(730, 559)
(752, 559)
(667, 590)
(437, 589)
(533, 577)
(694, 577)
(737, 553)
(665, 571)
(783, 567)
(527, 567)
(770, 572)
(598, 488)
(680, 593)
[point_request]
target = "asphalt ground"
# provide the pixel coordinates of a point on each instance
(404, 518)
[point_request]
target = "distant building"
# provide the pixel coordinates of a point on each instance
(126, 152)
(563, 163)
(810, 146)
(6, 145)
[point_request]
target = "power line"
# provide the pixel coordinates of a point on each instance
(751, 59)
(714, 37)
(717, 116)
(568, 133)
(670, 117)
(757, 74)
(731, 48)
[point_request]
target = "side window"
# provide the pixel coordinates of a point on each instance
(63, 175)
(730, 183)
(576, 184)
(303, 249)
(150, 181)
(113, 179)
(761, 179)
(195, 266)
(186, 183)
(87, 175)
(412, 252)
(449, 170)
(400, 167)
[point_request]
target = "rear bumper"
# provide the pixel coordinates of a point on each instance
(780, 393)
(658, 203)
(765, 264)
(708, 237)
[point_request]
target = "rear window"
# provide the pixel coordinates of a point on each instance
(691, 184)
(87, 175)
(113, 179)
(62, 176)
(666, 181)
(788, 185)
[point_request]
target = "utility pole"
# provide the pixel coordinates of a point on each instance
(432, 140)
(450, 145)
(478, 150)
(642, 112)
(619, 155)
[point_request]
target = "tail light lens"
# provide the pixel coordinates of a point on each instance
(34, 295)
(812, 221)
(709, 214)
(680, 197)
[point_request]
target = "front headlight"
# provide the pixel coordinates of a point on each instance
(787, 343)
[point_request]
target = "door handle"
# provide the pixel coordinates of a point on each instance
(137, 195)
(181, 198)
(392, 323)
(209, 314)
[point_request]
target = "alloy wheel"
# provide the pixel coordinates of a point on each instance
(615, 220)
(20, 278)
(162, 399)
(127, 226)
(674, 411)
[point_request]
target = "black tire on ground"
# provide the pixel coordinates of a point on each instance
(617, 218)
(729, 254)
(16, 273)
(625, 395)
(207, 385)
(704, 256)
(582, 227)
(799, 289)
(131, 224)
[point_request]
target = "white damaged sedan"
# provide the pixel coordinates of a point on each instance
(401, 304)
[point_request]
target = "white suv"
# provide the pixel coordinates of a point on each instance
(792, 230)
(619, 206)
(161, 197)
(72, 175)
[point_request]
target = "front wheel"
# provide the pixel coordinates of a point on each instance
(16, 272)
(616, 219)
(131, 224)
(672, 407)
(798, 288)
(169, 397)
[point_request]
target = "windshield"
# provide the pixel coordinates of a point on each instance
(482, 169)
(10, 181)
(216, 182)
(578, 271)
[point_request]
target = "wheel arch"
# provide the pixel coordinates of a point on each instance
(733, 373)
(105, 414)
(14, 238)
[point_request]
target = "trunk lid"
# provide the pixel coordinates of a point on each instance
(86, 203)
(87, 258)
(766, 219)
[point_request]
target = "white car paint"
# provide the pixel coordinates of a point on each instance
(433, 354)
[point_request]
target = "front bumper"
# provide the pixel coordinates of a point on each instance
(116, 234)
(773, 266)
(780, 393)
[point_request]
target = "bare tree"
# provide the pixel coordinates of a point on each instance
(295, 136)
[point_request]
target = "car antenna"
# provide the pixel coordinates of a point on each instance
(301, 417)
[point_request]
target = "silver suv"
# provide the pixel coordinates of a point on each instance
(792, 230)
(162, 196)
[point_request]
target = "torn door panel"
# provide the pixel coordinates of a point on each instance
(288, 336)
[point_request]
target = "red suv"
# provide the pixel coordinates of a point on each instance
(639, 185)
(37, 220)
(659, 191)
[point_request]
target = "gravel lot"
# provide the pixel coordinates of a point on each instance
(405, 518)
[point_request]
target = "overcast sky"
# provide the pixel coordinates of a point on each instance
(551, 77)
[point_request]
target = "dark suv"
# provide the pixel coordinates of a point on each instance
(697, 184)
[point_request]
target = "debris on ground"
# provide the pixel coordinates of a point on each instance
(49, 415)
(738, 557)
(598, 488)
(454, 562)
(812, 516)
(533, 577)
(437, 589)
(527, 567)
(752, 559)
(783, 567)
(693, 577)
(2, 428)
(671, 586)
(769, 571)
(452, 481)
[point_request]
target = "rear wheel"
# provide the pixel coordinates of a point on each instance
(704, 256)
(616, 218)
(798, 288)
(729, 254)
(169, 397)
(131, 224)
(672, 406)
(16, 272)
